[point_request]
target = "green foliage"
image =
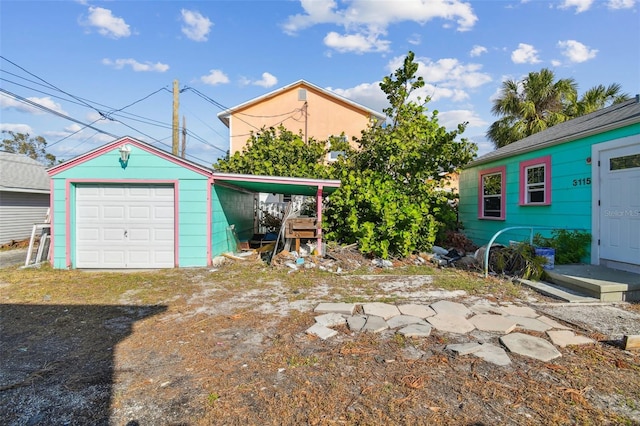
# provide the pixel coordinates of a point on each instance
(389, 200)
(278, 152)
(32, 147)
(570, 246)
(518, 260)
(539, 101)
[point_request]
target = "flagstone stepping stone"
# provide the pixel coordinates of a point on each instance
(564, 338)
(384, 310)
(421, 311)
(493, 354)
(331, 319)
(519, 311)
(416, 330)
(321, 331)
(497, 323)
(464, 348)
(375, 324)
(485, 307)
(356, 322)
(403, 320)
(339, 308)
(530, 346)
(451, 323)
(451, 308)
(528, 323)
(553, 323)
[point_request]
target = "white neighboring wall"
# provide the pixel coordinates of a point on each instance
(19, 211)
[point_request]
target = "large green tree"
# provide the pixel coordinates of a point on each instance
(32, 147)
(278, 152)
(539, 101)
(390, 201)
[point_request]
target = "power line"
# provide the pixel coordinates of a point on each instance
(51, 85)
(49, 110)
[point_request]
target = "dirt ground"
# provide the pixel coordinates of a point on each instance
(227, 346)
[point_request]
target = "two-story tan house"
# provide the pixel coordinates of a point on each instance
(301, 107)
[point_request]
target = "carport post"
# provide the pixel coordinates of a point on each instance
(319, 219)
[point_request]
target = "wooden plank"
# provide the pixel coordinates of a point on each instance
(630, 342)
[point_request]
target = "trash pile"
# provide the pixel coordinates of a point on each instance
(341, 259)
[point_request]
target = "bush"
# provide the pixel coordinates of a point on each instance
(517, 260)
(570, 246)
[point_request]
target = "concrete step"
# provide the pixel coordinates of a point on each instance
(558, 292)
(604, 284)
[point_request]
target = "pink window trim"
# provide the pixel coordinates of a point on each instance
(541, 161)
(503, 173)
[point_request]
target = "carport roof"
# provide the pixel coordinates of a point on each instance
(278, 184)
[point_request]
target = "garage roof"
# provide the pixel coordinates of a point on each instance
(277, 184)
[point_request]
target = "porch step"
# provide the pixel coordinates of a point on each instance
(604, 284)
(558, 292)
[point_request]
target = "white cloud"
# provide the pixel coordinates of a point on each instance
(444, 79)
(196, 27)
(580, 5)
(415, 39)
(380, 14)
(358, 43)
(16, 128)
(450, 119)
(477, 51)
(135, 65)
(621, 4)
(576, 52)
(9, 102)
(367, 94)
(365, 21)
(268, 80)
(525, 54)
(215, 77)
(556, 63)
(107, 24)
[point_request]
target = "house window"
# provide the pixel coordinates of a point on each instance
(491, 200)
(535, 182)
(337, 146)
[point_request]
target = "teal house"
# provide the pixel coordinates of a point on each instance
(583, 174)
(129, 204)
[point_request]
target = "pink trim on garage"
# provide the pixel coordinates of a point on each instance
(68, 206)
(319, 219)
(116, 145)
(51, 233)
(276, 179)
(209, 220)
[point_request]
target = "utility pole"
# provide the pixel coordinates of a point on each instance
(176, 118)
(184, 137)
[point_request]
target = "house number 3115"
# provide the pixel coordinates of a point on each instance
(583, 181)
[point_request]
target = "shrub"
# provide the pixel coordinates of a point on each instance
(570, 246)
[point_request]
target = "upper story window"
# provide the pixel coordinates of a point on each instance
(491, 193)
(337, 146)
(535, 182)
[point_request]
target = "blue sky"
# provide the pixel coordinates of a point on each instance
(111, 65)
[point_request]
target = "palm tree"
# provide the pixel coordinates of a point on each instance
(530, 106)
(599, 97)
(539, 102)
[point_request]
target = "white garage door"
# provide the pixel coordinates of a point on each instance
(124, 226)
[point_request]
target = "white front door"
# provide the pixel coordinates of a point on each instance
(620, 204)
(124, 226)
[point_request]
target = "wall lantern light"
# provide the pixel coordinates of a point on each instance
(125, 151)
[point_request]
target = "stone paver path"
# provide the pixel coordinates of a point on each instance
(500, 323)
